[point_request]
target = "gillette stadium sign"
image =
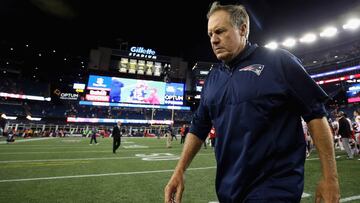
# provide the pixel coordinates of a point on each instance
(142, 50)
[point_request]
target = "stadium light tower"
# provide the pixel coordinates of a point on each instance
(308, 38)
(352, 24)
(289, 42)
(272, 45)
(329, 32)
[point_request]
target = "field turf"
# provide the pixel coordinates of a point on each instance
(70, 170)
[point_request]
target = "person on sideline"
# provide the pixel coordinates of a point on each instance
(117, 134)
(255, 100)
(93, 136)
(169, 136)
(345, 132)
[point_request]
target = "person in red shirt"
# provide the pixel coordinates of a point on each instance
(182, 133)
(212, 136)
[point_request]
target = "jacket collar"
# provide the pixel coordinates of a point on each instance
(248, 50)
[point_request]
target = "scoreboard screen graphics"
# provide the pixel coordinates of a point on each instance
(125, 90)
(353, 93)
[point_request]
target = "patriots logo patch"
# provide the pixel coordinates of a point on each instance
(256, 68)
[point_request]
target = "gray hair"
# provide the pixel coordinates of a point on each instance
(238, 14)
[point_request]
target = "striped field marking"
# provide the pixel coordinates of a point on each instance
(312, 159)
(56, 160)
(349, 199)
(71, 141)
(47, 138)
(57, 144)
(80, 159)
(304, 195)
(135, 146)
(90, 151)
(27, 140)
(99, 175)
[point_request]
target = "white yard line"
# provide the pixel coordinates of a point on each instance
(79, 159)
(89, 151)
(312, 159)
(58, 152)
(27, 140)
(349, 199)
(47, 138)
(102, 174)
(49, 147)
(55, 160)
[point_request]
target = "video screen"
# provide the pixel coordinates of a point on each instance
(124, 90)
(353, 93)
(174, 93)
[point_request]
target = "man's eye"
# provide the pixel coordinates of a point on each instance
(218, 31)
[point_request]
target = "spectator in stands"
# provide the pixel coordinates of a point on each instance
(117, 134)
(255, 100)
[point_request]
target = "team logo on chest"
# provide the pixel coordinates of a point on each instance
(256, 68)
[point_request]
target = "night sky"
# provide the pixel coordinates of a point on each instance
(173, 28)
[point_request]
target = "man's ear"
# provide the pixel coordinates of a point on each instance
(243, 30)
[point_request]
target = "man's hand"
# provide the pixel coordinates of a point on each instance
(174, 188)
(328, 186)
(327, 190)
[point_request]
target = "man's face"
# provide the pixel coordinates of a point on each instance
(119, 123)
(226, 41)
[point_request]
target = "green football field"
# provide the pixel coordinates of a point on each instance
(71, 170)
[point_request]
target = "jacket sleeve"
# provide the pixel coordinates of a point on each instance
(308, 96)
(114, 132)
(201, 121)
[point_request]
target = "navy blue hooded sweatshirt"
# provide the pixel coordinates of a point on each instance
(255, 104)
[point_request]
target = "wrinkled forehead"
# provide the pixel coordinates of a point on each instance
(218, 19)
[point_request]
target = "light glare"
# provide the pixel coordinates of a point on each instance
(308, 38)
(289, 42)
(271, 45)
(328, 32)
(352, 24)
